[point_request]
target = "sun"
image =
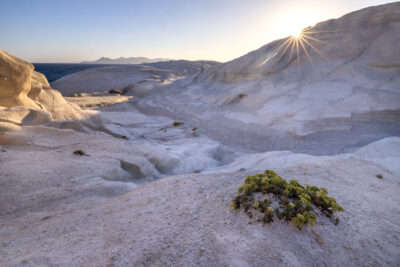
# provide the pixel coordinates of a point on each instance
(301, 43)
(297, 33)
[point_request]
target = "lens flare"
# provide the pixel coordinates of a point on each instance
(300, 43)
(297, 34)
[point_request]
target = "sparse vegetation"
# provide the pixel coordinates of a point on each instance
(177, 123)
(115, 91)
(379, 176)
(79, 152)
(242, 95)
(293, 202)
(127, 89)
(194, 131)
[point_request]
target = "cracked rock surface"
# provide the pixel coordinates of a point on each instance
(147, 181)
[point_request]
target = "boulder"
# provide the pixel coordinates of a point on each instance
(26, 97)
(15, 81)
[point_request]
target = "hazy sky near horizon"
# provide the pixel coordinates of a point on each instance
(76, 30)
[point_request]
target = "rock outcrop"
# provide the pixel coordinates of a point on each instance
(65, 210)
(132, 79)
(26, 97)
(361, 45)
(60, 208)
(339, 73)
(347, 83)
(15, 81)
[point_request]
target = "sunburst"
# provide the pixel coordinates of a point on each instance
(300, 41)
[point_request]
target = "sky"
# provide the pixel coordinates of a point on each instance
(77, 30)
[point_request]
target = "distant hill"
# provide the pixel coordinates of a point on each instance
(125, 60)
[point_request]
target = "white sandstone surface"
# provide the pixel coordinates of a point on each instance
(349, 76)
(87, 210)
(149, 192)
(135, 79)
(26, 97)
(346, 97)
(96, 101)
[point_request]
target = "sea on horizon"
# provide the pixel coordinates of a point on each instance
(55, 71)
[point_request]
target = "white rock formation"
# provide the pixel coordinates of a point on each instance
(350, 73)
(88, 102)
(106, 208)
(137, 79)
(15, 81)
(347, 97)
(64, 209)
(26, 97)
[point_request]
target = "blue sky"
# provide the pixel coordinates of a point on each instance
(75, 30)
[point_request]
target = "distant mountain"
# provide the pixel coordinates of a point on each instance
(125, 60)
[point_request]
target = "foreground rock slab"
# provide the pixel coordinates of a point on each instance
(87, 102)
(59, 210)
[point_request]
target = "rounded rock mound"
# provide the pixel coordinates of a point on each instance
(26, 97)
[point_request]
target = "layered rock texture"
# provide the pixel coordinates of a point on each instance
(87, 210)
(26, 97)
(148, 181)
(337, 85)
(336, 74)
(133, 79)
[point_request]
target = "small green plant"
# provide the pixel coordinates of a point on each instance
(115, 92)
(177, 123)
(295, 203)
(79, 152)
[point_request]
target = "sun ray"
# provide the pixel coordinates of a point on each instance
(286, 48)
(291, 50)
(315, 49)
(276, 51)
(298, 53)
(324, 31)
(298, 42)
(314, 39)
(305, 50)
(288, 39)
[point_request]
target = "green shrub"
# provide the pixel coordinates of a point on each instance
(295, 202)
(177, 123)
(79, 152)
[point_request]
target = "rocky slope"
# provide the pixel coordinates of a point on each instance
(203, 131)
(345, 71)
(341, 94)
(77, 211)
(137, 79)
